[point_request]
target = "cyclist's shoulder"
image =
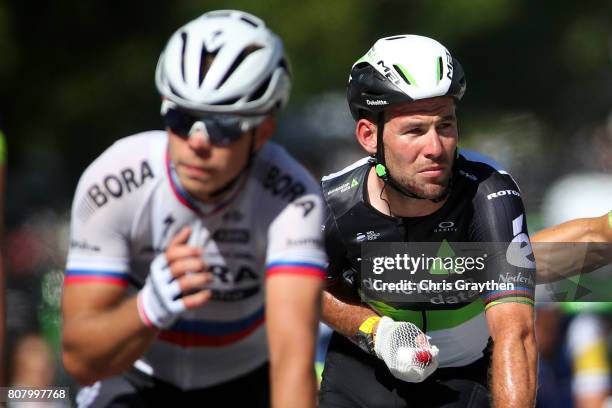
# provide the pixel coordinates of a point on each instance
(130, 151)
(126, 166)
(488, 177)
(358, 167)
(281, 175)
(148, 139)
(344, 189)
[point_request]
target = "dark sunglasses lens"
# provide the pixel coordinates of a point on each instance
(223, 130)
(179, 122)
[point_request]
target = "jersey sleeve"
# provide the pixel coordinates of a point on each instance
(98, 248)
(500, 223)
(335, 249)
(296, 240)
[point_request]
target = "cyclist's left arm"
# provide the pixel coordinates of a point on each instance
(514, 360)
(294, 280)
(509, 311)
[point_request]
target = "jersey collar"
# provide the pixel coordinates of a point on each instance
(202, 209)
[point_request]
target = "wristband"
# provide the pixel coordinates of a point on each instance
(610, 218)
(364, 337)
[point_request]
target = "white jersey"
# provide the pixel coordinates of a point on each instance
(129, 204)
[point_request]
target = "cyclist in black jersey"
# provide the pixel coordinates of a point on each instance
(416, 186)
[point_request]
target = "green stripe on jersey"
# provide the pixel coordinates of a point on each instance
(436, 319)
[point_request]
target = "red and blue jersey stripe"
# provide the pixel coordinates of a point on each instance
(210, 333)
(298, 268)
(95, 276)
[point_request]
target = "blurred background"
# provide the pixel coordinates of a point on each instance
(76, 76)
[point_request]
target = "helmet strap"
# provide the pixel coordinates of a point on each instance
(381, 167)
(383, 173)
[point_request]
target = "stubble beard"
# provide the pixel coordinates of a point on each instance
(426, 190)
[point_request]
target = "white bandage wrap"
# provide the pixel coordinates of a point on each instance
(158, 305)
(405, 350)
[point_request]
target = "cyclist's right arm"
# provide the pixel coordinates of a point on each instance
(595, 229)
(342, 310)
(104, 332)
(558, 254)
(105, 326)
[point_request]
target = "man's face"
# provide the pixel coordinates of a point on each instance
(420, 139)
(203, 167)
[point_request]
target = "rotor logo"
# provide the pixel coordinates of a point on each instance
(503, 193)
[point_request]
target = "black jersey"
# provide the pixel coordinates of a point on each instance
(484, 206)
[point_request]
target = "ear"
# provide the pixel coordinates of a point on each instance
(366, 132)
(264, 131)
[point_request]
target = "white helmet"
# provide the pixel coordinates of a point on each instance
(403, 68)
(399, 69)
(227, 62)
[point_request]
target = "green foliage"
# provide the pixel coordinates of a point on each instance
(78, 75)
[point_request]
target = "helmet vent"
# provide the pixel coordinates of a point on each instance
(405, 75)
(175, 91)
(229, 101)
(283, 64)
(218, 13)
(440, 70)
(241, 57)
(261, 89)
(206, 60)
(183, 49)
(249, 21)
(397, 37)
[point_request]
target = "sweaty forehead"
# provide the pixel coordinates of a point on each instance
(432, 106)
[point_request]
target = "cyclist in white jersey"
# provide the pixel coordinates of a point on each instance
(196, 254)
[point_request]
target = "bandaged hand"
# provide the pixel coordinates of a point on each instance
(405, 350)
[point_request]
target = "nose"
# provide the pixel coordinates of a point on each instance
(199, 139)
(433, 144)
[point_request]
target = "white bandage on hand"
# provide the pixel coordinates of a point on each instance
(158, 305)
(405, 350)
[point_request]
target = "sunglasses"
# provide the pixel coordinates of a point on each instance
(221, 129)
